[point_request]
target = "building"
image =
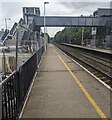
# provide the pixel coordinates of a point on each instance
(101, 37)
(29, 13)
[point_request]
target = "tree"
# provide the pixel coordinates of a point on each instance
(72, 35)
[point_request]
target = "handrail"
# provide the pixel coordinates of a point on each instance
(15, 87)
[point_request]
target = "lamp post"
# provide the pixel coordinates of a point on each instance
(45, 25)
(16, 48)
(6, 22)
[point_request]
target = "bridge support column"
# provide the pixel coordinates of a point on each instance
(38, 36)
(40, 39)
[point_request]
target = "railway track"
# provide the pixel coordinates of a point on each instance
(98, 66)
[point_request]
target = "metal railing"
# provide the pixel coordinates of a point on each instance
(16, 86)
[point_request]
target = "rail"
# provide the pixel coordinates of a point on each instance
(97, 52)
(16, 86)
(97, 64)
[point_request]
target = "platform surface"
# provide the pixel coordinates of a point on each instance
(56, 93)
(102, 50)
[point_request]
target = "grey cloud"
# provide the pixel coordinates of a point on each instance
(84, 6)
(11, 9)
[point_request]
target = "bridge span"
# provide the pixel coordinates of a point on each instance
(62, 21)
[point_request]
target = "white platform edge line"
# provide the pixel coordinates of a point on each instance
(29, 91)
(107, 86)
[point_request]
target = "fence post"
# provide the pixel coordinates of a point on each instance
(18, 94)
(0, 101)
(37, 58)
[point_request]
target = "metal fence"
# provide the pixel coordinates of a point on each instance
(16, 86)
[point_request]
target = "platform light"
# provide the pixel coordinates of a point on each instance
(45, 24)
(6, 22)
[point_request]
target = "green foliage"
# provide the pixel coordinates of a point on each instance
(72, 35)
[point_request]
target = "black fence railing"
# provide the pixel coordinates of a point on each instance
(16, 86)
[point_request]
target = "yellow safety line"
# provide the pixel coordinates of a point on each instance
(93, 103)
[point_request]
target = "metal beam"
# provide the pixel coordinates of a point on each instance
(58, 21)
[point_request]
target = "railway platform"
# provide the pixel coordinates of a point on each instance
(107, 51)
(64, 89)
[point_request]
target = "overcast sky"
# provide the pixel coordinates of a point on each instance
(13, 9)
